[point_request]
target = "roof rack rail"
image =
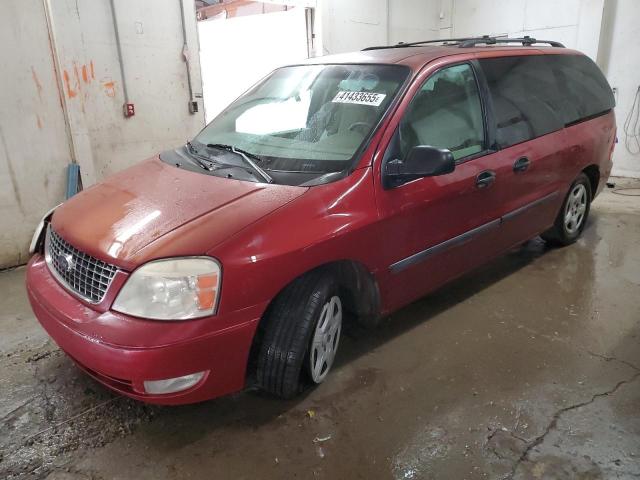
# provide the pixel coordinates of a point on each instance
(467, 42)
(526, 41)
(446, 41)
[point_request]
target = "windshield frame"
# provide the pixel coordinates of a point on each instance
(351, 163)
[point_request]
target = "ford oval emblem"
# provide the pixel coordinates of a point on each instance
(66, 263)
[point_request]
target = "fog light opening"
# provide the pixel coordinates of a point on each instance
(172, 385)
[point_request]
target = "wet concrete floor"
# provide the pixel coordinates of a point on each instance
(526, 368)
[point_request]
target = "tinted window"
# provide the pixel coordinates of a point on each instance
(526, 100)
(583, 86)
(445, 113)
(539, 94)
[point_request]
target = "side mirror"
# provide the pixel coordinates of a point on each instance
(422, 161)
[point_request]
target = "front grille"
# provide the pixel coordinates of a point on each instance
(84, 275)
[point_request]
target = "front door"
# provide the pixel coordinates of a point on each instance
(434, 229)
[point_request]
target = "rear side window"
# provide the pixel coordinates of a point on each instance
(525, 98)
(583, 86)
(539, 94)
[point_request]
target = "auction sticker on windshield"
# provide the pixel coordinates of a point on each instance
(359, 98)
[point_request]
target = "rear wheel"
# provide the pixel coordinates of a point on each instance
(572, 217)
(301, 334)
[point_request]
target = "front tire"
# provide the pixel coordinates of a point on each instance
(572, 217)
(301, 334)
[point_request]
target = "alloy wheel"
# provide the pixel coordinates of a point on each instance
(325, 339)
(575, 209)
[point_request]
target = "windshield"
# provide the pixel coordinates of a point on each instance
(310, 119)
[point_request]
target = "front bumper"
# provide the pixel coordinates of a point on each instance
(122, 352)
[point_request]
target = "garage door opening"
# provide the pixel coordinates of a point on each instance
(237, 52)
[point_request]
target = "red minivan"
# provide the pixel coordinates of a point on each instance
(352, 184)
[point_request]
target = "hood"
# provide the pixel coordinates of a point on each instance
(118, 218)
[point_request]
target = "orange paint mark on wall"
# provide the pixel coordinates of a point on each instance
(39, 122)
(77, 75)
(73, 85)
(36, 80)
(67, 83)
(110, 88)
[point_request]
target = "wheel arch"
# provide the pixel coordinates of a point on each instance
(593, 174)
(359, 291)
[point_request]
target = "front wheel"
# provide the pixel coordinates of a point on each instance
(300, 336)
(572, 217)
(324, 344)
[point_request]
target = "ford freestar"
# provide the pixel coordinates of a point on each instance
(351, 184)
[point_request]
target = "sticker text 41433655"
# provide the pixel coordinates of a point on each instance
(359, 98)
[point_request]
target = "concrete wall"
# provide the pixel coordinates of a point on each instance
(69, 70)
(353, 25)
(33, 146)
(413, 20)
(576, 23)
(619, 57)
(357, 24)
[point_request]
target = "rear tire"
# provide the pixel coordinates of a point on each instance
(572, 217)
(295, 328)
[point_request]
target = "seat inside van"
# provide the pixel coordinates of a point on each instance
(445, 114)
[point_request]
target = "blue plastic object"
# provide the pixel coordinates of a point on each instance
(74, 182)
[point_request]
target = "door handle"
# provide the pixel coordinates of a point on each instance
(521, 164)
(486, 178)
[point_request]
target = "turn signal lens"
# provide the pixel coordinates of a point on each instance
(207, 288)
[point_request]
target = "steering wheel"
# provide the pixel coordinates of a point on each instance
(355, 125)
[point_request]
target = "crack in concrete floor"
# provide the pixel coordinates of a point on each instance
(532, 444)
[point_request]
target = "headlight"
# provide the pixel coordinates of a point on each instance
(174, 289)
(38, 236)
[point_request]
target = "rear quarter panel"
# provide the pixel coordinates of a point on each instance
(592, 143)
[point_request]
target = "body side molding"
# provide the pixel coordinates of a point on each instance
(422, 255)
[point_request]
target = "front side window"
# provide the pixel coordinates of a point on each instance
(310, 119)
(445, 113)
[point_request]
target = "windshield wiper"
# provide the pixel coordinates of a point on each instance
(198, 159)
(246, 157)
